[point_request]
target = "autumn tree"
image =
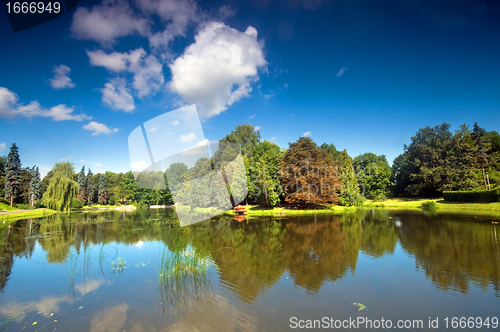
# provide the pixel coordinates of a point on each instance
(308, 173)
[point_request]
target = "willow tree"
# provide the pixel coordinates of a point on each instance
(60, 193)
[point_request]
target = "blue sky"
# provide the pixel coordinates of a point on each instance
(363, 75)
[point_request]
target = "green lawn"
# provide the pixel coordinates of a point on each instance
(7, 207)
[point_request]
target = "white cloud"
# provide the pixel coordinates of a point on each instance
(175, 123)
(116, 95)
(220, 59)
(61, 79)
(307, 134)
(257, 127)
(92, 163)
(140, 165)
(153, 129)
(3, 146)
(112, 19)
(66, 158)
(202, 143)
(99, 128)
(10, 108)
(148, 71)
(273, 138)
(252, 116)
(343, 70)
(188, 138)
(105, 22)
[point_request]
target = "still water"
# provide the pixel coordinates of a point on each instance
(139, 271)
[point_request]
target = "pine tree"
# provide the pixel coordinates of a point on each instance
(90, 187)
(82, 185)
(102, 190)
(12, 173)
(35, 186)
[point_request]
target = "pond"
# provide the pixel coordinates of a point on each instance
(139, 271)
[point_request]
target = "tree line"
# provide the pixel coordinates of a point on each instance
(436, 160)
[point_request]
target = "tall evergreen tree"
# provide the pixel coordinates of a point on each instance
(82, 186)
(90, 187)
(35, 186)
(350, 191)
(12, 173)
(102, 194)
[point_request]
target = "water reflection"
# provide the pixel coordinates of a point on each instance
(246, 259)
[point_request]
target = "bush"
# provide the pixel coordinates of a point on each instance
(483, 196)
(429, 205)
(76, 204)
(23, 206)
(379, 198)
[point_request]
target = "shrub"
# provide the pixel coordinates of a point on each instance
(429, 205)
(23, 206)
(76, 204)
(482, 196)
(379, 198)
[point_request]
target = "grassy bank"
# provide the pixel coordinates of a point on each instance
(38, 213)
(390, 204)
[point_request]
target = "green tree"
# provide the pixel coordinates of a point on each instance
(483, 146)
(245, 136)
(82, 185)
(350, 191)
(3, 161)
(90, 187)
(102, 195)
(25, 178)
(12, 174)
(62, 189)
(35, 186)
(373, 173)
(262, 173)
(334, 153)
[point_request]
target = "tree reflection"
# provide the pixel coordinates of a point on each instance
(453, 254)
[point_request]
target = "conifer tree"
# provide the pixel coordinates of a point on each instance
(82, 185)
(90, 187)
(102, 194)
(350, 190)
(12, 173)
(35, 186)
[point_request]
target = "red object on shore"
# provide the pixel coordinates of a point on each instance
(239, 209)
(240, 217)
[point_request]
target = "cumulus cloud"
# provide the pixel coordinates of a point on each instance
(257, 127)
(112, 19)
(252, 116)
(10, 108)
(139, 165)
(188, 138)
(99, 128)
(148, 71)
(307, 134)
(3, 146)
(107, 21)
(219, 59)
(61, 79)
(202, 143)
(116, 95)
